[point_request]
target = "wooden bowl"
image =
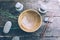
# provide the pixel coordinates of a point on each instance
(30, 20)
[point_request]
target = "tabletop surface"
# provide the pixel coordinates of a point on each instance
(52, 32)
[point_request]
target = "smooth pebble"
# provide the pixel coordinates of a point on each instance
(7, 26)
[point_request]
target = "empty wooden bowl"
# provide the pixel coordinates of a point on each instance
(30, 20)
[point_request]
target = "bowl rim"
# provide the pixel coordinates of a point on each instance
(26, 11)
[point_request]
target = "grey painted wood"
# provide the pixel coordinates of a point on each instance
(52, 32)
(28, 4)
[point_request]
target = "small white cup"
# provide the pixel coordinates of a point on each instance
(43, 8)
(19, 6)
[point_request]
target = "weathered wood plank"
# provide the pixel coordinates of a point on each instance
(54, 28)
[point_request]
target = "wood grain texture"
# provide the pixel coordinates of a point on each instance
(52, 32)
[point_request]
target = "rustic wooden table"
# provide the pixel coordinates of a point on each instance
(15, 30)
(53, 30)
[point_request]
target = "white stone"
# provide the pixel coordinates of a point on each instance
(7, 27)
(46, 19)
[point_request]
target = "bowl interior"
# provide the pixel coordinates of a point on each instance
(29, 20)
